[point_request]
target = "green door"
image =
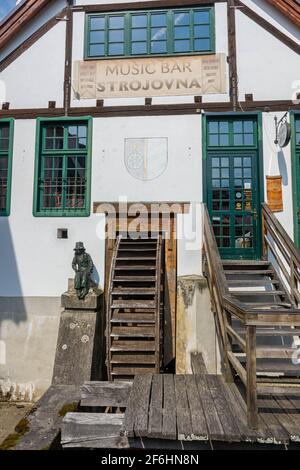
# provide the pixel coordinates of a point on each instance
(232, 183)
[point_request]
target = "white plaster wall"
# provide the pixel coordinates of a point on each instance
(33, 261)
(37, 76)
(275, 17)
(277, 162)
(221, 47)
(266, 67)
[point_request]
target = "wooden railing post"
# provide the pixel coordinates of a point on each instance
(251, 391)
(264, 233)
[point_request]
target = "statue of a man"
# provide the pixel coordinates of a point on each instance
(83, 266)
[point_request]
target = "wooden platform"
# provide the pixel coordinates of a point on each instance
(205, 408)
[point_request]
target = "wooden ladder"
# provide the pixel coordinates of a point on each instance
(134, 312)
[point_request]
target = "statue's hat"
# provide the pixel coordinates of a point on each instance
(79, 246)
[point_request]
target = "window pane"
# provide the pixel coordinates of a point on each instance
(201, 17)
(213, 140)
(116, 49)
(158, 33)
(4, 144)
(116, 22)
(238, 126)
(182, 18)
(248, 126)
(181, 46)
(158, 19)
(224, 139)
(224, 127)
(97, 23)
(201, 31)
(182, 32)
(158, 47)
(248, 139)
(139, 35)
(238, 139)
(139, 48)
(202, 44)
(97, 50)
(213, 127)
(139, 21)
(97, 36)
(116, 36)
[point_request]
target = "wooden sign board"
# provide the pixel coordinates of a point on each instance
(274, 193)
(147, 77)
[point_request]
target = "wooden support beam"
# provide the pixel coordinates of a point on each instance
(251, 392)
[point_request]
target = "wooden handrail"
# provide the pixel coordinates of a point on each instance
(285, 253)
(225, 304)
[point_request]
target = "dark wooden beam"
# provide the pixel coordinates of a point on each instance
(268, 26)
(31, 40)
(232, 61)
(143, 5)
(153, 110)
(68, 61)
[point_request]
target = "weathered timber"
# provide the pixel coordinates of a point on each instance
(44, 422)
(93, 430)
(169, 429)
(183, 414)
(156, 407)
(197, 363)
(198, 421)
(105, 394)
(212, 418)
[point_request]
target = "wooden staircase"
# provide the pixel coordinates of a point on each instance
(256, 306)
(135, 308)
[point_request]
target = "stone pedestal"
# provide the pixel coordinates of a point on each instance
(80, 351)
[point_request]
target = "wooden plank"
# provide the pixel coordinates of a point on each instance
(133, 331)
(240, 416)
(293, 412)
(144, 392)
(137, 345)
(222, 406)
(279, 434)
(263, 434)
(212, 418)
(133, 304)
(169, 430)
(170, 293)
(156, 407)
(105, 393)
(183, 415)
(93, 430)
(197, 363)
(132, 370)
(237, 366)
(234, 335)
(278, 389)
(251, 391)
(133, 358)
(133, 405)
(199, 427)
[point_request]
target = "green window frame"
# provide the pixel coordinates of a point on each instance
(6, 155)
(295, 158)
(180, 31)
(62, 183)
(228, 132)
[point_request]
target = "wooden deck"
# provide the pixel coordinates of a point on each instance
(205, 408)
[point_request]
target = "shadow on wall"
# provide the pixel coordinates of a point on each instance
(282, 168)
(12, 305)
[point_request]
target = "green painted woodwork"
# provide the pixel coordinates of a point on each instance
(62, 184)
(6, 157)
(232, 189)
(168, 32)
(295, 150)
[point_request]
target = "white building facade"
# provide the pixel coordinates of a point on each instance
(157, 101)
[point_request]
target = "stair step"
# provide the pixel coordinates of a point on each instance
(258, 292)
(274, 352)
(135, 278)
(133, 304)
(271, 332)
(133, 358)
(268, 304)
(134, 346)
(134, 291)
(251, 282)
(133, 331)
(133, 318)
(241, 262)
(135, 268)
(278, 389)
(138, 250)
(136, 258)
(132, 370)
(265, 272)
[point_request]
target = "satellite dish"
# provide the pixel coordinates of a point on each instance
(284, 134)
